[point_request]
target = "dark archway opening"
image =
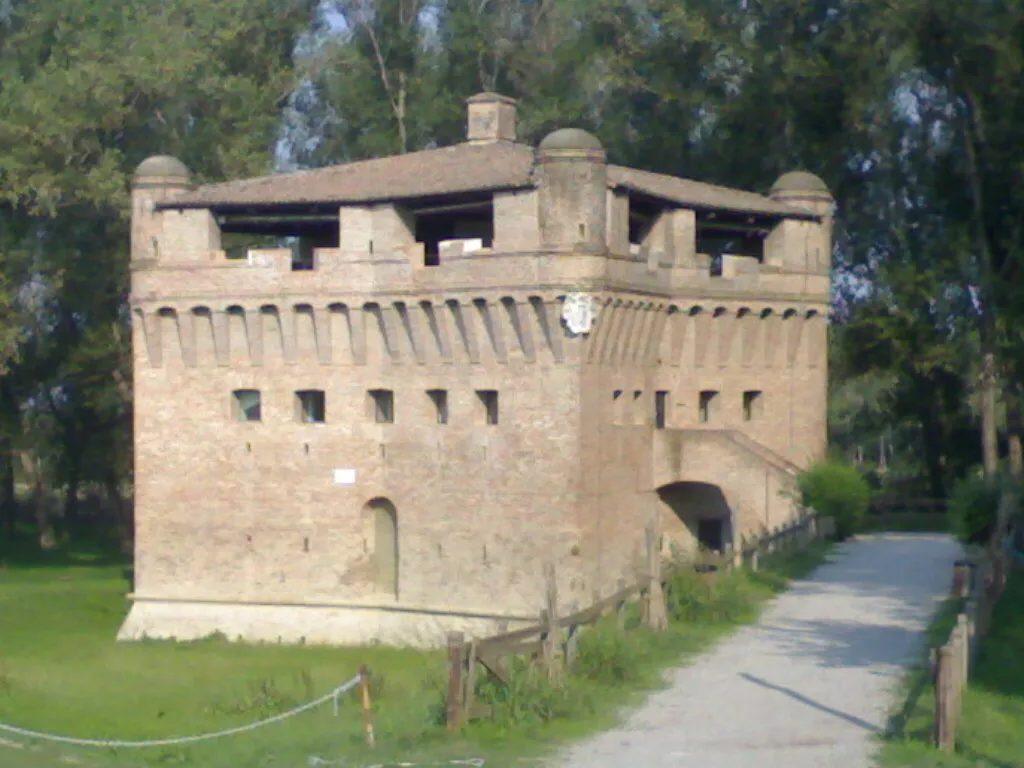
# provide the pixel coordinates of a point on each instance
(696, 516)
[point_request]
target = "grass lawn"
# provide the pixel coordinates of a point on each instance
(62, 672)
(991, 733)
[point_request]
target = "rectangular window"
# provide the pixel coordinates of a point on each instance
(660, 409)
(617, 406)
(246, 404)
(311, 406)
(708, 406)
(489, 404)
(753, 405)
(439, 397)
(383, 403)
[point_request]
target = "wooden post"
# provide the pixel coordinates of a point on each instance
(620, 609)
(655, 615)
(944, 737)
(965, 642)
(470, 685)
(549, 619)
(456, 641)
(571, 640)
(364, 694)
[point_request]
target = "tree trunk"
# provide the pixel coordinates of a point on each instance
(123, 512)
(9, 503)
(934, 445)
(1015, 457)
(34, 478)
(989, 431)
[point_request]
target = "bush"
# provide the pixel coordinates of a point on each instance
(973, 507)
(726, 598)
(610, 657)
(839, 491)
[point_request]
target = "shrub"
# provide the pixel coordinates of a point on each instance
(725, 598)
(839, 491)
(608, 656)
(973, 507)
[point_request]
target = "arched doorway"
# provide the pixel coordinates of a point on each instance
(695, 516)
(384, 517)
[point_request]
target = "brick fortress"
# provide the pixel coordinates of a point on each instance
(467, 362)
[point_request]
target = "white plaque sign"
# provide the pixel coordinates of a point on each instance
(578, 312)
(344, 477)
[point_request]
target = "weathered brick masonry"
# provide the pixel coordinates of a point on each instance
(385, 430)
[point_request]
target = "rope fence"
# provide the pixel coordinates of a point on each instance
(177, 741)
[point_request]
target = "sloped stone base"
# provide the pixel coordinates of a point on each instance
(324, 625)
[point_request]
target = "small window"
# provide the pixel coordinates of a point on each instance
(753, 405)
(489, 402)
(383, 402)
(439, 397)
(311, 406)
(617, 406)
(636, 415)
(708, 405)
(247, 404)
(660, 409)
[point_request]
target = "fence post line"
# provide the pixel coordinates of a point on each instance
(456, 641)
(470, 684)
(943, 699)
(549, 619)
(965, 644)
(572, 640)
(620, 609)
(655, 615)
(364, 696)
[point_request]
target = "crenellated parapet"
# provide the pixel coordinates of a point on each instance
(493, 329)
(397, 331)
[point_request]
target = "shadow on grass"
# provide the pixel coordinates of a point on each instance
(24, 552)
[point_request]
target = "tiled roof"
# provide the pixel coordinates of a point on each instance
(453, 170)
(450, 170)
(697, 194)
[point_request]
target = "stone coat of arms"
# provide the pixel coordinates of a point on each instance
(579, 311)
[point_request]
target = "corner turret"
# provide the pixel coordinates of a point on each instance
(156, 179)
(573, 176)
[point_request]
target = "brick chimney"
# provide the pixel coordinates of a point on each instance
(491, 117)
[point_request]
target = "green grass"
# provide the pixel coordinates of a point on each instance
(62, 672)
(991, 732)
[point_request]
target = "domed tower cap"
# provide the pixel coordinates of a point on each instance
(799, 184)
(162, 170)
(571, 142)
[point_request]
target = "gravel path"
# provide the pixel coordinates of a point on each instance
(809, 685)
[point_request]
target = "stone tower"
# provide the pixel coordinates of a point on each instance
(452, 369)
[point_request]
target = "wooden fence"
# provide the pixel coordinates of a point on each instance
(552, 642)
(981, 583)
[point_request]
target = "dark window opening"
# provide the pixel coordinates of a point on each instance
(708, 405)
(711, 534)
(383, 404)
(719, 236)
(489, 402)
(642, 216)
(439, 397)
(753, 405)
(247, 404)
(660, 409)
(471, 222)
(311, 406)
(302, 231)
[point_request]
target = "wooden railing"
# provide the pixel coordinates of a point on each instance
(981, 583)
(552, 642)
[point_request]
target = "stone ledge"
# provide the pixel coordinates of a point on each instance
(309, 624)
